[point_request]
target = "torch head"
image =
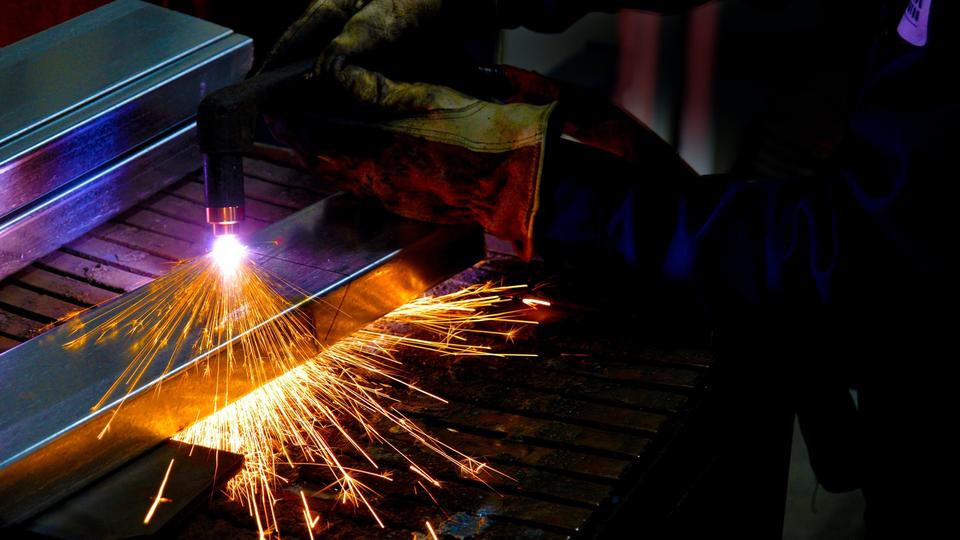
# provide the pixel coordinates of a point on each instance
(223, 190)
(225, 220)
(226, 124)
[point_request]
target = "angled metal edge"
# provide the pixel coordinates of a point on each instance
(113, 45)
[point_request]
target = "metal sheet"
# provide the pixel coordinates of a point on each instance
(82, 93)
(115, 506)
(351, 255)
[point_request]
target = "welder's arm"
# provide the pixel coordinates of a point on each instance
(717, 233)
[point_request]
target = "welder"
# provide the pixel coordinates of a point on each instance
(849, 267)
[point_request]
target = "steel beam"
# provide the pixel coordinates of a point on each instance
(357, 261)
(83, 96)
(61, 217)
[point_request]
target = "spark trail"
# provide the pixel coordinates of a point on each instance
(344, 385)
(310, 399)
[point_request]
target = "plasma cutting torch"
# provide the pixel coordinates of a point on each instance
(226, 123)
(227, 120)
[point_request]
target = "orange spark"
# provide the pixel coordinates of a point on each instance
(338, 387)
(310, 399)
(159, 498)
(198, 308)
(433, 534)
(310, 520)
(534, 302)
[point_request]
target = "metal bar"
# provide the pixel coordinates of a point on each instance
(340, 251)
(145, 70)
(114, 45)
(66, 214)
(51, 155)
(92, 272)
(69, 288)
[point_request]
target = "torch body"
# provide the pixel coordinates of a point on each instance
(223, 192)
(226, 123)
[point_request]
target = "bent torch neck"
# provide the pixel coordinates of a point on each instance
(223, 192)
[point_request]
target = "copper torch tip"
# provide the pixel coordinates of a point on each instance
(225, 220)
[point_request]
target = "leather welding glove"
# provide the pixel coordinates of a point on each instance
(432, 153)
(427, 152)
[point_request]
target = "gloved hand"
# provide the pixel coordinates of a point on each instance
(431, 153)
(427, 152)
(320, 22)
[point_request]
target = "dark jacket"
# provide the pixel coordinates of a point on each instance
(854, 265)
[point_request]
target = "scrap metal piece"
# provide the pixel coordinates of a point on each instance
(357, 261)
(81, 97)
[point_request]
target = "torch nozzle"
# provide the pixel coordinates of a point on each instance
(225, 219)
(226, 123)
